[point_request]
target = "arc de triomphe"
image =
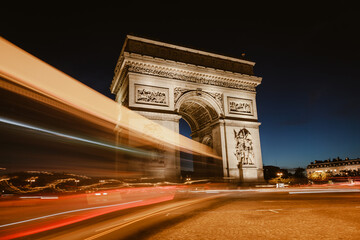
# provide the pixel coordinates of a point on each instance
(214, 94)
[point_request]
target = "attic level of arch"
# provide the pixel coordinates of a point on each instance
(180, 54)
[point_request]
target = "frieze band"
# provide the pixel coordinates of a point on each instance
(186, 76)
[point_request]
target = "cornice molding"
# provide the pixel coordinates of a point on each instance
(136, 63)
(243, 123)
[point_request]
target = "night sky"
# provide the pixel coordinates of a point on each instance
(308, 57)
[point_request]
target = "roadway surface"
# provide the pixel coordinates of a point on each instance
(298, 213)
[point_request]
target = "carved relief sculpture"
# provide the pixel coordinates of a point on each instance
(151, 95)
(207, 140)
(240, 106)
(218, 97)
(244, 151)
(178, 91)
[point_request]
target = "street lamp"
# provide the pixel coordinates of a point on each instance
(279, 182)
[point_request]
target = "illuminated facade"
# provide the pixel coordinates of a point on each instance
(335, 167)
(214, 94)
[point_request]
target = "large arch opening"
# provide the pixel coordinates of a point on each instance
(201, 114)
(186, 159)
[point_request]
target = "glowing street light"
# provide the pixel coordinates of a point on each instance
(31, 180)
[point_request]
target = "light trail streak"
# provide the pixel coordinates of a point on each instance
(96, 211)
(326, 191)
(66, 212)
(145, 216)
(270, 210)
(21, 68)
(27, 126)
(39, 197)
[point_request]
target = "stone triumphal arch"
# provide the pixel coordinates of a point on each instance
(215, 95)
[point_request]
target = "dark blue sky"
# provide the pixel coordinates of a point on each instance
(308, 56)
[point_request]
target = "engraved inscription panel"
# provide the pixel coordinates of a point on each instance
(240, 106)
(151, 95)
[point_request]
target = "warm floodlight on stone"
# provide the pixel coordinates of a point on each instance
(215, 94)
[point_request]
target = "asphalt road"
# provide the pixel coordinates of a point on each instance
(261, 214)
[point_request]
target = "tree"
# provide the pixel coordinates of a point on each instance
(299, 172)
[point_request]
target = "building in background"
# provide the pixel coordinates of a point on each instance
(335, 167)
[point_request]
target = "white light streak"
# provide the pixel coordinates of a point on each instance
(326, 191)
(269, 210)
(27, 126)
